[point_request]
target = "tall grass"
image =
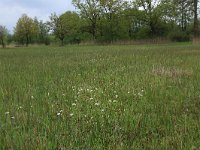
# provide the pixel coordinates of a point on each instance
(100, 97)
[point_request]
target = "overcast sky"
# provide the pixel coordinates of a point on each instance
(11, 10)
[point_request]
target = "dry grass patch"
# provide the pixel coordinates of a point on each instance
(171, 72)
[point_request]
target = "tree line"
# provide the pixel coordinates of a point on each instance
(108, 21)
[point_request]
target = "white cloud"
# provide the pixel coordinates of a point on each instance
(11, 10)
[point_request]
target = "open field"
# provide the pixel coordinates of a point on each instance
(100, 97)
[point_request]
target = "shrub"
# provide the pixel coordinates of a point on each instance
(179, 36)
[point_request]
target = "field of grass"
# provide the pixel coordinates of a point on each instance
(100, 97)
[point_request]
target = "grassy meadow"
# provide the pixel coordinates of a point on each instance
(100, 97)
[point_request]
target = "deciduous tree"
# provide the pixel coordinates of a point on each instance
(90, 10)
(3, 35)
(25, 30)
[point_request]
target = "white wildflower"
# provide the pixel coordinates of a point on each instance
(32, 97)
(116, 96)
(114, 101)
(58, 114)
(97, 104)
(12, 117)
(71, 114)
(140, 94)
(7, 113)
(73, 104)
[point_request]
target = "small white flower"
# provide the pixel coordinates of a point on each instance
(102, 110)
(91, 98)
(114, 101)
(12, 117)
(71, 114)
(116, 96)
(58, 114)
(32, 97)
(128, 92)
(139, 94)
(73, 104)
(20, 107)
(110, 101)
(61, 111)
(97, 104)
(6, 113)
(48, 94)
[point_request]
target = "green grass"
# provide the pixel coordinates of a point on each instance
(100, 97)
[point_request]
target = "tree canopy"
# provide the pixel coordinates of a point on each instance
(25, 29)
(3, 35)
(113, 20)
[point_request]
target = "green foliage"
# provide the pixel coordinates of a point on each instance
(3, 36)
(71, 22)
(65, 25)
(26, 29)
(42, 37)
(108, 21)
(91, 11)
(179, 36)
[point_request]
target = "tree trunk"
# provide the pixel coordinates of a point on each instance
(196, 28)
(94, 30)
(27, 41)
(62, 42)
(3, 44)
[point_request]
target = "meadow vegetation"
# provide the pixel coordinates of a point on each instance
(100, 97)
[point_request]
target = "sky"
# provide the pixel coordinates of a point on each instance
(11, 10)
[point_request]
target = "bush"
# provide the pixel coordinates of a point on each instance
(179, 36)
